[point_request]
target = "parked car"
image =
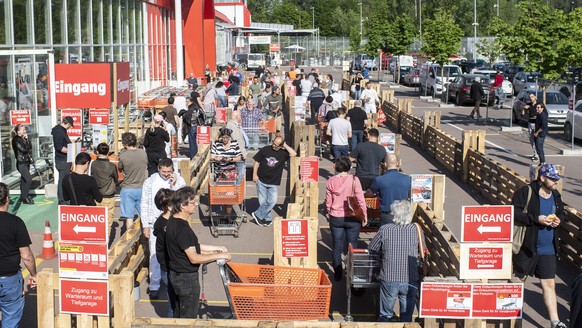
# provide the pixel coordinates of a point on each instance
(403, 71)
(459, 89)
(511, 70)
(574, 119)
(556, 104)
(411, 77)
(363, 59)
(565, 83)
(507, 86)
(431, 78)
(526, 80)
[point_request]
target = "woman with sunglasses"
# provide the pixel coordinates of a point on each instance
(541, 131)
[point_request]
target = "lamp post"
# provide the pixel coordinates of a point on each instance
(312, 18)
(360, 3)
(497, 6)
(420, 17)
(475, 31)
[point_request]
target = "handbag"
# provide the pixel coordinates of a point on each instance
(422, 254)
(519, 230)
(354, 209)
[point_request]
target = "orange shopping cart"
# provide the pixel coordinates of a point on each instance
(374, 212)
(265, 292)
(225, 193)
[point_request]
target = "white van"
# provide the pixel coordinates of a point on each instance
(256, 60)
(430, 77)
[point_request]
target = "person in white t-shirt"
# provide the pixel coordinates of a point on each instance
(340, 131)
(306, 86)
(172, 132)
(370, 99)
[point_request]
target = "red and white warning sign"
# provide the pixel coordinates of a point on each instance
(489, 223)
(203, 135)
(497, 301)
(20, 117)
(445, 300)
(77, 130)
(294, 238)
(492, 261)
(85, 260)
(84, 296)
(221, 115)
(309, 169)
(83, 223)
(98, 116)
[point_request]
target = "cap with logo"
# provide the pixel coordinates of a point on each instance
(69, 120)
(550, 171)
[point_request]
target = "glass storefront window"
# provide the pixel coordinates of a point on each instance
(97, 23)
(41, 22)
(22, 22)
(86, 18)
(72, 19)
(58, 13)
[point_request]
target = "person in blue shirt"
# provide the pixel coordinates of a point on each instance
(366, 73)
(391, 186)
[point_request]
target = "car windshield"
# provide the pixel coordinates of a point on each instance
(491, 74)
(449, 71)
(255, 57)
(470, 80)
(553, 98)
(532, 77)
(405, 68)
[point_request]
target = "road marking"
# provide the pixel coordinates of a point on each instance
(489, 142)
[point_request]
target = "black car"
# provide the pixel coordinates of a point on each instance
(459, 89)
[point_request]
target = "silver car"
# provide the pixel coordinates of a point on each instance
(526, 81)
(556, 104)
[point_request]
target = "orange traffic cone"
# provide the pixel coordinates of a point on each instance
(48, 246)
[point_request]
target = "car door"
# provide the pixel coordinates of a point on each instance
(453, 86)
(578, 121)
(517, 82)
(520, 100)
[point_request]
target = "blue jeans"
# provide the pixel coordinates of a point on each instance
(357, 137)
(223, 101)
(129, 202)
(267, 200)
(11, 300)
(187, 288)
(63, 168)
(340, 151)
(171, 293)
(358, 94)
(406, 294)
(241, 167)
(539, 141)
(192, 142)
(340, 228)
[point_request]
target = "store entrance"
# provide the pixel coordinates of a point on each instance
(24, 96)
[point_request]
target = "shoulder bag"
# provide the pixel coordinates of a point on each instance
(354, 209)
(519, 230)
(422, 254)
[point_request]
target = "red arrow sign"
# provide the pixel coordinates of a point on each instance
(487, 223)
(83, 223)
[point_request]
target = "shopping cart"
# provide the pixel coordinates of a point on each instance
(265, 292)
(362, 268)
(322, 138)
(224, 194)
(374, 212)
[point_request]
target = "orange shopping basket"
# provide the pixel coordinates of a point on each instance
(374, 212)
(265, 292)
(269, 126)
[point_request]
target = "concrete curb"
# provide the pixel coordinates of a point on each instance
(446, 105)
(571, 152)
(511, 129)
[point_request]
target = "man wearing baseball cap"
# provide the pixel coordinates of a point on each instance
(539, 208)
(60, 142)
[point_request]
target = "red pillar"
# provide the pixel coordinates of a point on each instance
(199, 36)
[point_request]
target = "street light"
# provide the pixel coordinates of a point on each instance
(420, 17)
(497, 6)
(475, 31)
(360, 3)
(312, 18)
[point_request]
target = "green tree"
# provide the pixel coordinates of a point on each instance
(355, 41)
(490, 49)
(441, 37)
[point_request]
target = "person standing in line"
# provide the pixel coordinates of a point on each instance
(339, 188)
(329, 81)
(359, 120)
(398, 243)
(170, 148)
(154, 143)
(163, 202)
(267, 171)
(192, 81)
(105, 174)
(133, 163)
(255, 89)
(60, 143)
(356, 83)
(275, 109)
(80, 188)
(221, 93)
(306, 86)
(251, 117)
(170, 111)
(541, 131)
(297, 84)
(181, 107)
(207, 73)
(369, 156)
(370, 99)
(391, 186)
(531, 122)
(238, 134)
(192, 119)
(476, 94)
(15, 247)
(537, 255)
(340, 131)
(164, 178)
(186, 254)
(23, 153)
(314, 101)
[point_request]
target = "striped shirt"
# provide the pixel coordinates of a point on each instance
(251, 119)
(399, 247)
(219, 149)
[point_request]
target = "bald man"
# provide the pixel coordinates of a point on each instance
(391, 186)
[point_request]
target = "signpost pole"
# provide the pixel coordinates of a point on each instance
(115, 112)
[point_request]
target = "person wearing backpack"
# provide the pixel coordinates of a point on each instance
(191, 120)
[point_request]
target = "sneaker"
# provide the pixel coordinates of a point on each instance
(154, 294)
(267, 223)
(535, 159)
(561, 325)
(258, 221)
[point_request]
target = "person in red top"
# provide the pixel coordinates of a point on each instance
(497, 84)
(338, 189)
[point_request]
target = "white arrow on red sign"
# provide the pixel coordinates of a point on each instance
(483, 229)
(78, 229)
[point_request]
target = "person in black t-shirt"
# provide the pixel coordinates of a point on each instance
(80, 188)
(185, 254)
(267, 172)
(163, 201)
(15, 246)
(359, 120)
(369, 156)
(297, 84)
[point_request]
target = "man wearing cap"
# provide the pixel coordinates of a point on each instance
(60, 142)
(539, 207)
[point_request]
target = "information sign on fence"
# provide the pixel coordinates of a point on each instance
(489, 223)
(421, 185)
(203, 135)
(309, 170)
(77, 130)
(497, 301)
(84, 296)
(85, 260)
(490, 261)
(99, 116)
(294, 238)
(445, 300)
(221, 115)
(83, 223)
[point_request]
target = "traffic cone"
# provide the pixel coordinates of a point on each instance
(48, 246)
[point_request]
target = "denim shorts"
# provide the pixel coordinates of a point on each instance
(129, 203)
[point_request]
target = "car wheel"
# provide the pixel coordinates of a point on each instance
(568, 131)
(458, 101)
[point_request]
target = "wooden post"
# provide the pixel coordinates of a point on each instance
(293, 174)
(472, 140)
(45, 298)
(438, 195)
(121, 286)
